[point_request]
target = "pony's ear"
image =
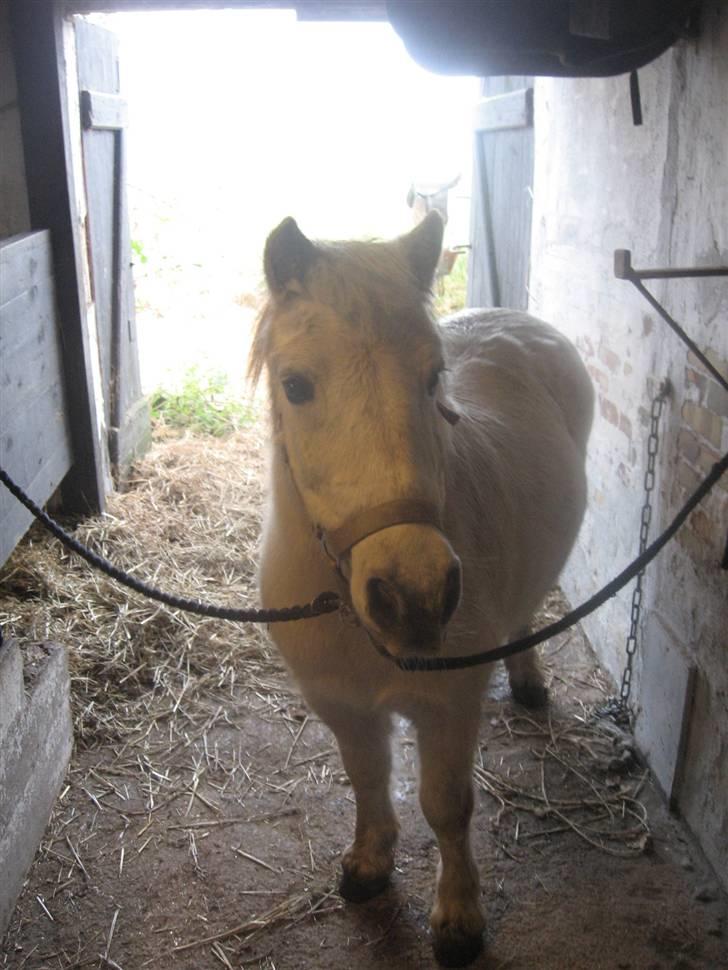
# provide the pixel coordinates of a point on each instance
(422, 248)
(288, 256)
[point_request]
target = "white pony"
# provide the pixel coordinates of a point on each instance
(439, 469)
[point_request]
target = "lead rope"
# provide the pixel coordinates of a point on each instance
(327, 602)
(330, 602)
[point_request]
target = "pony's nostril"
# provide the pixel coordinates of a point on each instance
(451, 596)
(383, 602)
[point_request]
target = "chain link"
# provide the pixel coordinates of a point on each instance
(653, 443)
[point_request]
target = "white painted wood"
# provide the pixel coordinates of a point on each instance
(664, 690)
(512, 110)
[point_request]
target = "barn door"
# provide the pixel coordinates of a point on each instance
(103, 120)
(502, 194)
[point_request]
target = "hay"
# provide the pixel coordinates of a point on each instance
(290, 911)
(189, 522)
(158, 697)
(588, 783)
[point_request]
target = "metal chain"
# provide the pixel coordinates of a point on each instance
(653, 443)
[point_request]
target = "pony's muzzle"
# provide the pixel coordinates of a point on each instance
(390, 605)
(406, 591)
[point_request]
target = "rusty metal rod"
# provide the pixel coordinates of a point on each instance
(624, 270)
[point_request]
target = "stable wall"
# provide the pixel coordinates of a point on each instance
(35, 719)
(14, 214)
(660, 190)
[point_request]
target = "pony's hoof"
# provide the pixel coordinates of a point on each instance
(531, 695)
(360, 890)
(459, 950)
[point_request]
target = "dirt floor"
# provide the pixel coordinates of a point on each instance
(205, 809)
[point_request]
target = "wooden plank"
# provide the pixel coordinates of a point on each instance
(42, 95)
(14, 217)
(511, 169)
(134, 436)
(15, 520)
(28, 328)
(103, 111)
(501, 196)
(30, 359)
(131, 425)
(99, 158)
(110, 246)
(29, 436)
(512, 110)
(681, 755)
(35, 440)
(666, 690)
(485, 280)
(25, 260)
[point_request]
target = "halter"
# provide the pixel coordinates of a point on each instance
(404, 511)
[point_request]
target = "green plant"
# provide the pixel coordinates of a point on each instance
(138, 250)
(451, 290)
(203, 405)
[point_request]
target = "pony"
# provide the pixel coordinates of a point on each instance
(433, 475)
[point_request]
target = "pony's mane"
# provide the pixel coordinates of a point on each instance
(368, 283)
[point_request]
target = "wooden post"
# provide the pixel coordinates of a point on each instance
(42, 95)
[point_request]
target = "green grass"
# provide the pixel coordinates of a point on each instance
(451, 290)
(138, 250)
(203, 404)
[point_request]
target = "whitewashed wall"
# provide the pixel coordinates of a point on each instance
(660, 190)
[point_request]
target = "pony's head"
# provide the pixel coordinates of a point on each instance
(359, 412)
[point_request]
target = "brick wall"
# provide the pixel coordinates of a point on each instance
(661, 191)
(701, 441)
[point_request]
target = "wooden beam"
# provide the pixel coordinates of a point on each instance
(341, 10)
(512, 110)
(37, 30)
(103, 111)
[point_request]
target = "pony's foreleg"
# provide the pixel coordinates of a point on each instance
(446, 744)
(526, 676)
(365, 750)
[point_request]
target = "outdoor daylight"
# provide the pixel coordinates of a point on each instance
(238, 119)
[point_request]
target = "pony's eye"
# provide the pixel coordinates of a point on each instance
(298, 389)
(433, 381)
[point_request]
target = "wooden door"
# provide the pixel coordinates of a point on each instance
(502, 194)
(40, 35)
(103, 120)
(35, 424)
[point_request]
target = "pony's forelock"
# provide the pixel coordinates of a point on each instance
(368, 283)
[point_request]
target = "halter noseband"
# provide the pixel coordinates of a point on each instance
(405, 511)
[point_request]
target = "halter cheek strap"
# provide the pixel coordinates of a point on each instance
(405, 511)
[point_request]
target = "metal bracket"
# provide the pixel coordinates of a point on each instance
(624, 270)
